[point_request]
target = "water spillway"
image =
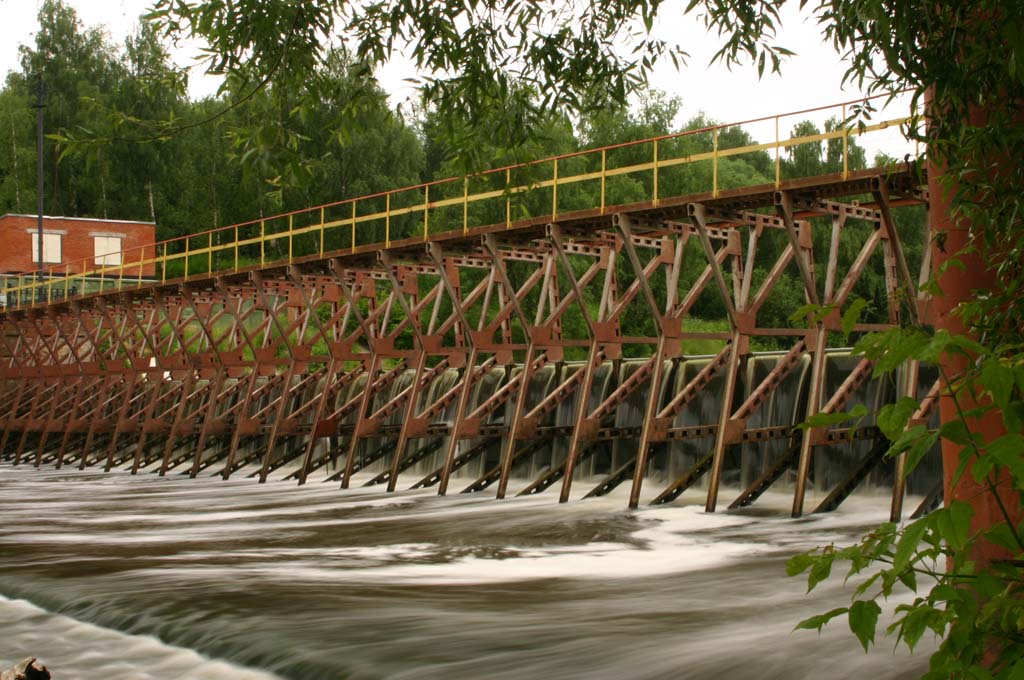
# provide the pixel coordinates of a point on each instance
(559, 353)
(607, 459)
(636, 360)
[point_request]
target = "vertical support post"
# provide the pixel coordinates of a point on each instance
(880, 191)
(801, 250)
(387, 220)
(353, 225)
(119, 417)
(784, 205)
(813, 406)
(236, 434)
(465, 204)
(654, 388)
(364, 402)
(282, 407)
(179, 413)
(110, 381)
(421, 361)
(714, 163)
(410, 413)
(533, 332)
(908, 388)
(737, 349)
(593, 359)
(778, 159)
(214, 388)
(508, 198)
(437, 255)
(721, 440)
(508, 452)
(655, 191)
(604, 176)
(846, 145)
(426, 212)
(650, 414)
(321, 404)
(554, 193)
(371, 370)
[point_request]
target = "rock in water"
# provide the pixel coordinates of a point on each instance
(26, 670)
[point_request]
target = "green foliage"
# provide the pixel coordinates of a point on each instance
(976, 609)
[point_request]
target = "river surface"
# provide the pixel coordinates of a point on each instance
(129, 578)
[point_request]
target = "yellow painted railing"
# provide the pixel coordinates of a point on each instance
(425, 210)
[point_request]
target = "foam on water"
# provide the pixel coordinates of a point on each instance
(170, 578)
(75, 650)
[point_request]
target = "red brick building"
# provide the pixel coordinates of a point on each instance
(74, 245)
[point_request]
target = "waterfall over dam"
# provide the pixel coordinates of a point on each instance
(463, 360)
(417, 377)
(838, 466)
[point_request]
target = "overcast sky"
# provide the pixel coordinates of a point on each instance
(812, 78)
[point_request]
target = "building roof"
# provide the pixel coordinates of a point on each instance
(78, 219)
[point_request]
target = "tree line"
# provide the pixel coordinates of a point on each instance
(211, 166)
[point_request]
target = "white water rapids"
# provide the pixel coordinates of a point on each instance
(120, 577)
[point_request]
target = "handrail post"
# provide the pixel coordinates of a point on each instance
(163, 266)
(604, 175)
(187, 239)
(291, 227)
(508, 198)
(322, 228)
(655, 202)
(846, 145)
(387, 220)
(263, 241)
(554, 193)
(778, 160)
(426, 212)
(465, 204)
(236, 247)
(353, 225)
(209, 255)
(714, 163)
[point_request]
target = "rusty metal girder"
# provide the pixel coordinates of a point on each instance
(383, 358)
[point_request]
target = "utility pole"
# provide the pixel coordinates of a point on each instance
(39, 166)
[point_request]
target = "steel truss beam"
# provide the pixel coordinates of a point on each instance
(499, 348)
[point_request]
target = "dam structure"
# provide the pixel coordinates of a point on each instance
(525, 328)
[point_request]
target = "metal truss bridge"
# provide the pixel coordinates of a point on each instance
(522, 329)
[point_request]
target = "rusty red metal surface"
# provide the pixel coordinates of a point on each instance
(504, 348)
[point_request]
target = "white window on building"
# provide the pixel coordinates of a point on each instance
(51, 248)
(107, 249)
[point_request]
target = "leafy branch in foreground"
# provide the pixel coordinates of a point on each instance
(975, 607)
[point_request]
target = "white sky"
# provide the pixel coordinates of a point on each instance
(810, 79)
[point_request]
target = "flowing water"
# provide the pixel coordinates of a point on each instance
(128, 577)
